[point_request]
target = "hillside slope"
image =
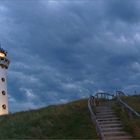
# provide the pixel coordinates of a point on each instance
(67, 121)
(131, 124)
(133, 101)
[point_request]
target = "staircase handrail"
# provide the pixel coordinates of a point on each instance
(91, 104)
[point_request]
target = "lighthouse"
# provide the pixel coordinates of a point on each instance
(4, 63)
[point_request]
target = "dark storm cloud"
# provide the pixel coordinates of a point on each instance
(125, 10)
(65, 50)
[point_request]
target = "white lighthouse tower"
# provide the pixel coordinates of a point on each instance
(4, 63)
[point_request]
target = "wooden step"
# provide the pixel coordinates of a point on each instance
(111, 129)
(109, 122)
(110, 125)
(105, 113)
(107, 116)
(98, 111)
(117, 133)
(119, 137)
(108, 119)
(104, 108)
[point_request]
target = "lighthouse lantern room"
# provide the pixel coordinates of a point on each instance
(4, 63)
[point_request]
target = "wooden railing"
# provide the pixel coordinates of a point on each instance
(104, 95)
(131, 112)
(91, 107)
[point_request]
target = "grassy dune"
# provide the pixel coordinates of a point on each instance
(133, 101)
(67, 121)
(131, 124)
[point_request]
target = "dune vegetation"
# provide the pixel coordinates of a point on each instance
(66, 121)
(131, 124)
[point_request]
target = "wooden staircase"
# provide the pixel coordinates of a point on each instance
(109, 124)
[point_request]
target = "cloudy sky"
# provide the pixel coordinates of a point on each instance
(62, 50)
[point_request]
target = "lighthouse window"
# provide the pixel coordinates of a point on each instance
(3, 92)
(3, 79)
(4, 106)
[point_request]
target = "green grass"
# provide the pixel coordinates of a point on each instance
(133, 101)
(67, 121)
(131, 124)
